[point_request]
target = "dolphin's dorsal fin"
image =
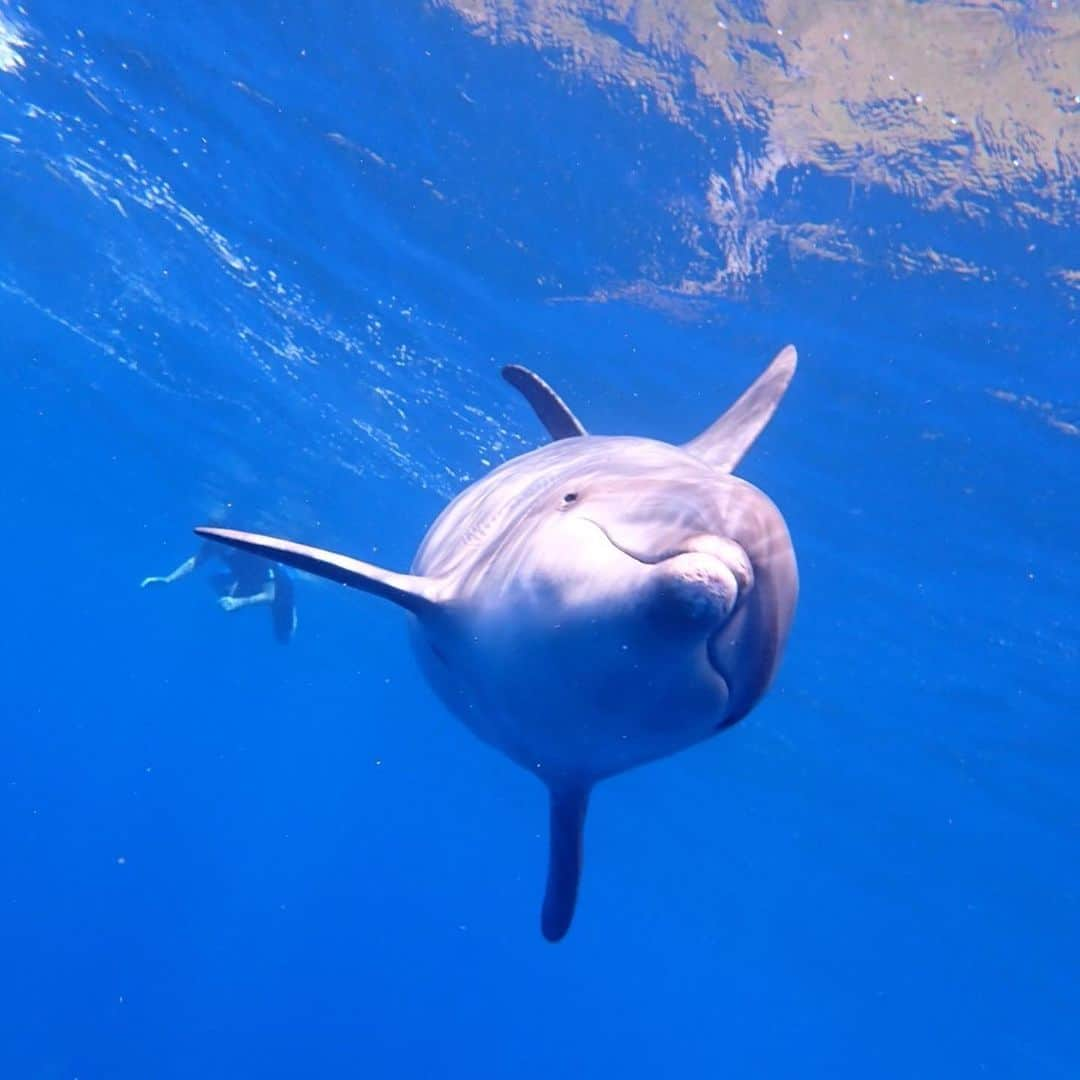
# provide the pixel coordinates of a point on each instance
(550, 409)
(724, 444)
(417, 594)
(568, 806)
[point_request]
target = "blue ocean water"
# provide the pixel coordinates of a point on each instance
(271, 257)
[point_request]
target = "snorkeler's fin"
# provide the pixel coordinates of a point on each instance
(723, 444)
(550, 409)
(566, 848)
(417, 594)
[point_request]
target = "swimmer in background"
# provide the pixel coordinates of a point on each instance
(247, 581)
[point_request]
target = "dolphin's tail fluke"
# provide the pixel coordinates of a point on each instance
(568, 805)
(417, 594)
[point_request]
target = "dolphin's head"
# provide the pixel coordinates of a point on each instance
(655, 542)
(626, 569)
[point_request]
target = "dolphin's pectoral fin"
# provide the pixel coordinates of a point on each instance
(417, 594)
(550, 409)
(568, 807)
(724, 444)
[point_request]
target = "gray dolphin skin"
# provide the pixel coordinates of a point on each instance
(595, 604)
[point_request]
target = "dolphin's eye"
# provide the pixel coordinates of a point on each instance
(569, 497)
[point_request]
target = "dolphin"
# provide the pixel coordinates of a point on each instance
(594, 604)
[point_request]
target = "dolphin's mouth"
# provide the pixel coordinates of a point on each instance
(649, 558)
(725, 551)
(708, 580)
(699, 596)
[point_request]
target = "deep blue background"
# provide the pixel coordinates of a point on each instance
(272, 254)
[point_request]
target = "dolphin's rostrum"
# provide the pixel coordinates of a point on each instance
(595, 604)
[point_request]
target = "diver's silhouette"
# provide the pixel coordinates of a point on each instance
(247, 580)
